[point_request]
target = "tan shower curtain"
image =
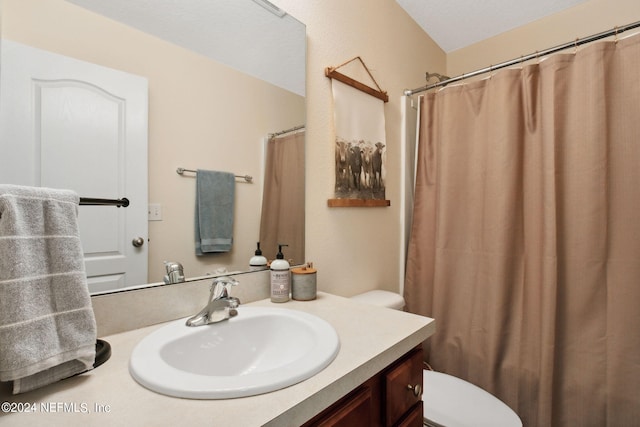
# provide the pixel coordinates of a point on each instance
(282, 219)
(525, 244)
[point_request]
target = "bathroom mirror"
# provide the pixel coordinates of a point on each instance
(211, 102)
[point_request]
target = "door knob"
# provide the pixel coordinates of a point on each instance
(137, 242)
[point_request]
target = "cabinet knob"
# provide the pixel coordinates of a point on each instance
(417, 389)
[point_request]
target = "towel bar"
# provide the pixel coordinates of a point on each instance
(90, 201)
(181, 171)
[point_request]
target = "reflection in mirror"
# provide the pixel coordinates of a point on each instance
(204, 111)
(282, 217)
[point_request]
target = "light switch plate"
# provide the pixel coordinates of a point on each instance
(155, 212)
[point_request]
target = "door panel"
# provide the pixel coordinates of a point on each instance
(70, 124)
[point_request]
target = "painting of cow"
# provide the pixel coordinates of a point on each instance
(360, 169)
(342, 164)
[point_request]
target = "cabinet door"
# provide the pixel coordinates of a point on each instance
(403, 387)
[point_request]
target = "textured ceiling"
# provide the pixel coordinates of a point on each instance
(455, 24)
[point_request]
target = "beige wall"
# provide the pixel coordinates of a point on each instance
(201, 115)
(357, 249)
(579, 21)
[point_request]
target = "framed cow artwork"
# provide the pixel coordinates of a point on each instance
(360, 144)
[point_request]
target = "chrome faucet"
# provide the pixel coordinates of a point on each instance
(175, 273)
(221, 306)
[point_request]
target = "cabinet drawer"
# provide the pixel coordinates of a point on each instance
(414, 418)
(353, 411)
(403, 386)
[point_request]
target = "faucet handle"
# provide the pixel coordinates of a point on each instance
(220, 287)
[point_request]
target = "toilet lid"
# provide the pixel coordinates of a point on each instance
(382, 299)
(453, 402)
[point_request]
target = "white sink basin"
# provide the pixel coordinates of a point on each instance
(260, 350)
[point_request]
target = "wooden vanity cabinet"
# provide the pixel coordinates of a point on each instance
(393, 397)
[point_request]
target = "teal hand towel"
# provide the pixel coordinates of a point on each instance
(215, 194)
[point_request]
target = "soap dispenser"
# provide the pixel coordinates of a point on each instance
(280, 277)
(258, 261)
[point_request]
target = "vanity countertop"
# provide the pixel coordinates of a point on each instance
(370, 339)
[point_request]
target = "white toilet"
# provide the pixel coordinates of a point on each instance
(450, 401)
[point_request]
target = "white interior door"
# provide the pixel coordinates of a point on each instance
(66, 123)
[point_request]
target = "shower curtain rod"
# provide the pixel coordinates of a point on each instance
(282, 132)
(577, 42)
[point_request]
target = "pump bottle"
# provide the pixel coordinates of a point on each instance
(258, 261)
(280, 278)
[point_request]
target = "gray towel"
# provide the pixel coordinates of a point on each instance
(47, 325)
(215, 194)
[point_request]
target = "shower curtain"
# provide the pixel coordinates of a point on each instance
(525, 243)
(282, 218)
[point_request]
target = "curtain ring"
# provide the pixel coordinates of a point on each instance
(537, 57)
(575, 46)
(616, 35)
